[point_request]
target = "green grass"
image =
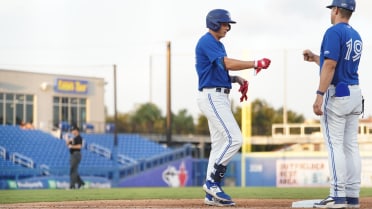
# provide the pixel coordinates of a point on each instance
(50, 195)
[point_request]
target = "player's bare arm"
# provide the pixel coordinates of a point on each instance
(310, 56)
(75, 146)
(237, 79)
(326, 76)
(234, 64)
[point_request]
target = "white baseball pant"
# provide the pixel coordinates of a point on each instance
(226, 137)
(340, 123)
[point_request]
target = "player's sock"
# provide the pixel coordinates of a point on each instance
(219, 172)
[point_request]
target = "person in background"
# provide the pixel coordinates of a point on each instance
(75, 145)
(26, 126)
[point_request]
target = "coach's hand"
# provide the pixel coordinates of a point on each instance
(261, 64)
(308, 55)
(317, 106)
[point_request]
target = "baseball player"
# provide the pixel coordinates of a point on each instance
(339, 102)
(213, 66)
(75, 145)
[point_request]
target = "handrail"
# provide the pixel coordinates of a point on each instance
(45, 169)
(125, 159)
(3, 152)
(105, 152)
(21, 159)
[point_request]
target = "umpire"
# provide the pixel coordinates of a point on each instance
(75, 144)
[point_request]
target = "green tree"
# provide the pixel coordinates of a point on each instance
(123, 124)
(183, 123)
(202, 126)
(263, 116)
(292, 117)
(145, 118)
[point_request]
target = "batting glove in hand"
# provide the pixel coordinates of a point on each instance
(244, 90)
(261, 64)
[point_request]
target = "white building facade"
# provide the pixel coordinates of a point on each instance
(49, 100)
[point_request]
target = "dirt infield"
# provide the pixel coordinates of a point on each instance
(366, 203)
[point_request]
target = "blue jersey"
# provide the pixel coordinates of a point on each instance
(342, 44)
(211, 71)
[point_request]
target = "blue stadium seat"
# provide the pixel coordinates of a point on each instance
(44, 149)
(131, 145)
(47, 151)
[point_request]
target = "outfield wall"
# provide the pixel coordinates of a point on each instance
(283, 169)
(274, 169)
(174, 174)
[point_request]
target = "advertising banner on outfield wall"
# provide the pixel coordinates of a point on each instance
(296, 171)
(53, 182)
(175, 174)
(302, 172)
(313, 172)
(260, 171)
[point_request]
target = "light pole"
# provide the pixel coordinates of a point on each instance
(150, 79)
(169, 108)
(115, 149)
(285, 118)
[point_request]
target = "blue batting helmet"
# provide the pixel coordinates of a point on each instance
(345, 4)
(216, 17)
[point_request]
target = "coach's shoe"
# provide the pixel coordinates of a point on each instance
(81, 185)
(210, 200)
(352, 202)
(332, 202)
(214, 189)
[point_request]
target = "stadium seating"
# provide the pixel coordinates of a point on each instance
(132, 145)
(45, 151)
(9, 169)
(34, 152)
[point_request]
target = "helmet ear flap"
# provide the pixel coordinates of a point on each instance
(215, 26)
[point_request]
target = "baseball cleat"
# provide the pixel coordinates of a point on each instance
(352, 202)
(210, 200)
(214, 189)
(332, 202)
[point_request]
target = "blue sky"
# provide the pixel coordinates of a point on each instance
(86, 37)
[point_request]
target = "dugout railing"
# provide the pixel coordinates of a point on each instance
(143, 165)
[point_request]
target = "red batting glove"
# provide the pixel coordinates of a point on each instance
(244, 90)
(261, 64)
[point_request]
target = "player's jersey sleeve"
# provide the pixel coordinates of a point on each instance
(331, 45)
(211, 71)
(213, 50)
(208, 50)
